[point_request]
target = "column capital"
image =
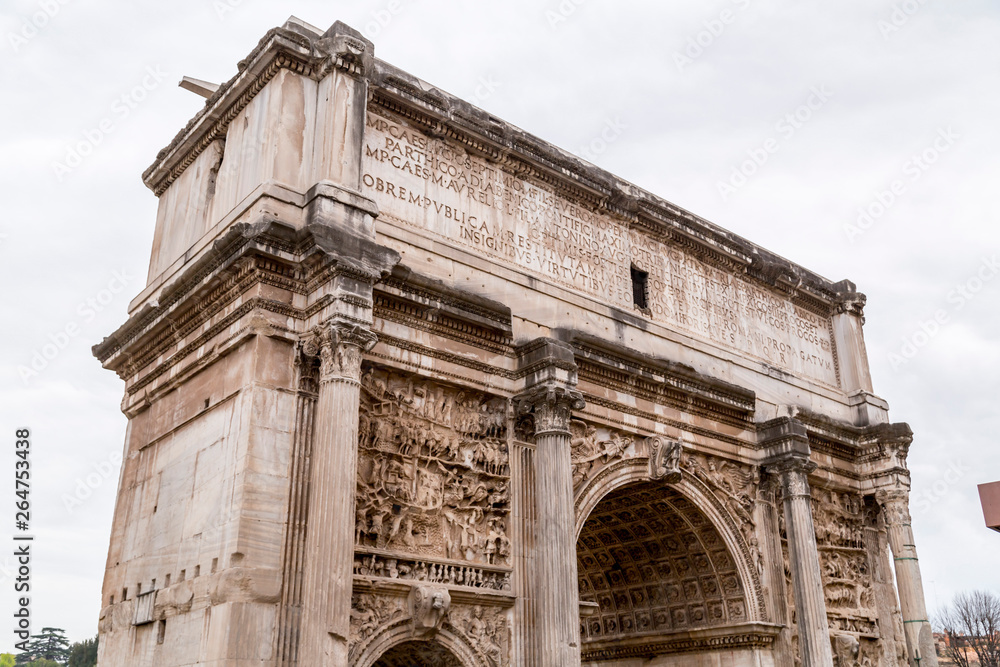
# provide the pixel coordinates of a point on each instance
(339, 345)
(552, 405)
(793, 472)
(895, 504)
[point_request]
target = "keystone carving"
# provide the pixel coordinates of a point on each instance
(428, 605)
(664, 458)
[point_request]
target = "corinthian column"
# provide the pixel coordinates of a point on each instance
(554, 576)
(810, 602)
(329, 546)
(917, 629)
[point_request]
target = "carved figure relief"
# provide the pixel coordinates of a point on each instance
(845, 650)
(486, 630)
(733, 484)
(409, 569)
(848, 583)
(592, 448)
(433, 470)
(369, 612)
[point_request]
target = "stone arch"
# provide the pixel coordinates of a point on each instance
(634, 472)
(399, 633)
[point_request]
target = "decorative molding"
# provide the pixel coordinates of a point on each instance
(661, 381)
(748, 636)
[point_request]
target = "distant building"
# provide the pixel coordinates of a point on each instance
(989, 496)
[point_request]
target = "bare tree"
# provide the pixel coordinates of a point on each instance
(972, 626)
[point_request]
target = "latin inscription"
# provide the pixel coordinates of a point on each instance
(436, 186)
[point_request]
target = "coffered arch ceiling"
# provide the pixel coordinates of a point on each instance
(655, 564)
(418, 654)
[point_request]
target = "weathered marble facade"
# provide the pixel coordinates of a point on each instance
(407, 385)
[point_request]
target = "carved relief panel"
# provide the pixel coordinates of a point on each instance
(484, 629)
(594, 447)
(433, 477)
(845, 563)
(735, 485)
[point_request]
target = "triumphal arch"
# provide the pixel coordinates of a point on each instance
(410, 386)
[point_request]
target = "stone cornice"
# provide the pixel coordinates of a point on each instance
(279, 49)
(516, 151)
(443, 115)
(662, 380)
(288, 47)
(859, 444)
(268, 251)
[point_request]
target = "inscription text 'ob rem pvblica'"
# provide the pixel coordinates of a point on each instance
(437, 186)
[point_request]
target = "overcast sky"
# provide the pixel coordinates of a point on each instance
(894, 111)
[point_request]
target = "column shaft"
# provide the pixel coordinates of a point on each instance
(523, 510)
(916, 626)
(557, 623)
(555, 587)
(329, 548)
(807, 581)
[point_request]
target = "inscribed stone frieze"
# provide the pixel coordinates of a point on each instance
(437, 186)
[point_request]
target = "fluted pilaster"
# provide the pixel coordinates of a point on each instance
(289, 615)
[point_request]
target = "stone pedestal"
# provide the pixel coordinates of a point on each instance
(810, 602)
(916, 625)
(329, 547)
(556, 589)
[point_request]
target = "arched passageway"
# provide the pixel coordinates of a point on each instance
(418, 654)
(660, 582)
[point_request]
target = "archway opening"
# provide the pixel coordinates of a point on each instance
(656, 574)
(418, 654)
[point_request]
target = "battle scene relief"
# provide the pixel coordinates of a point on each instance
(433, 481)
